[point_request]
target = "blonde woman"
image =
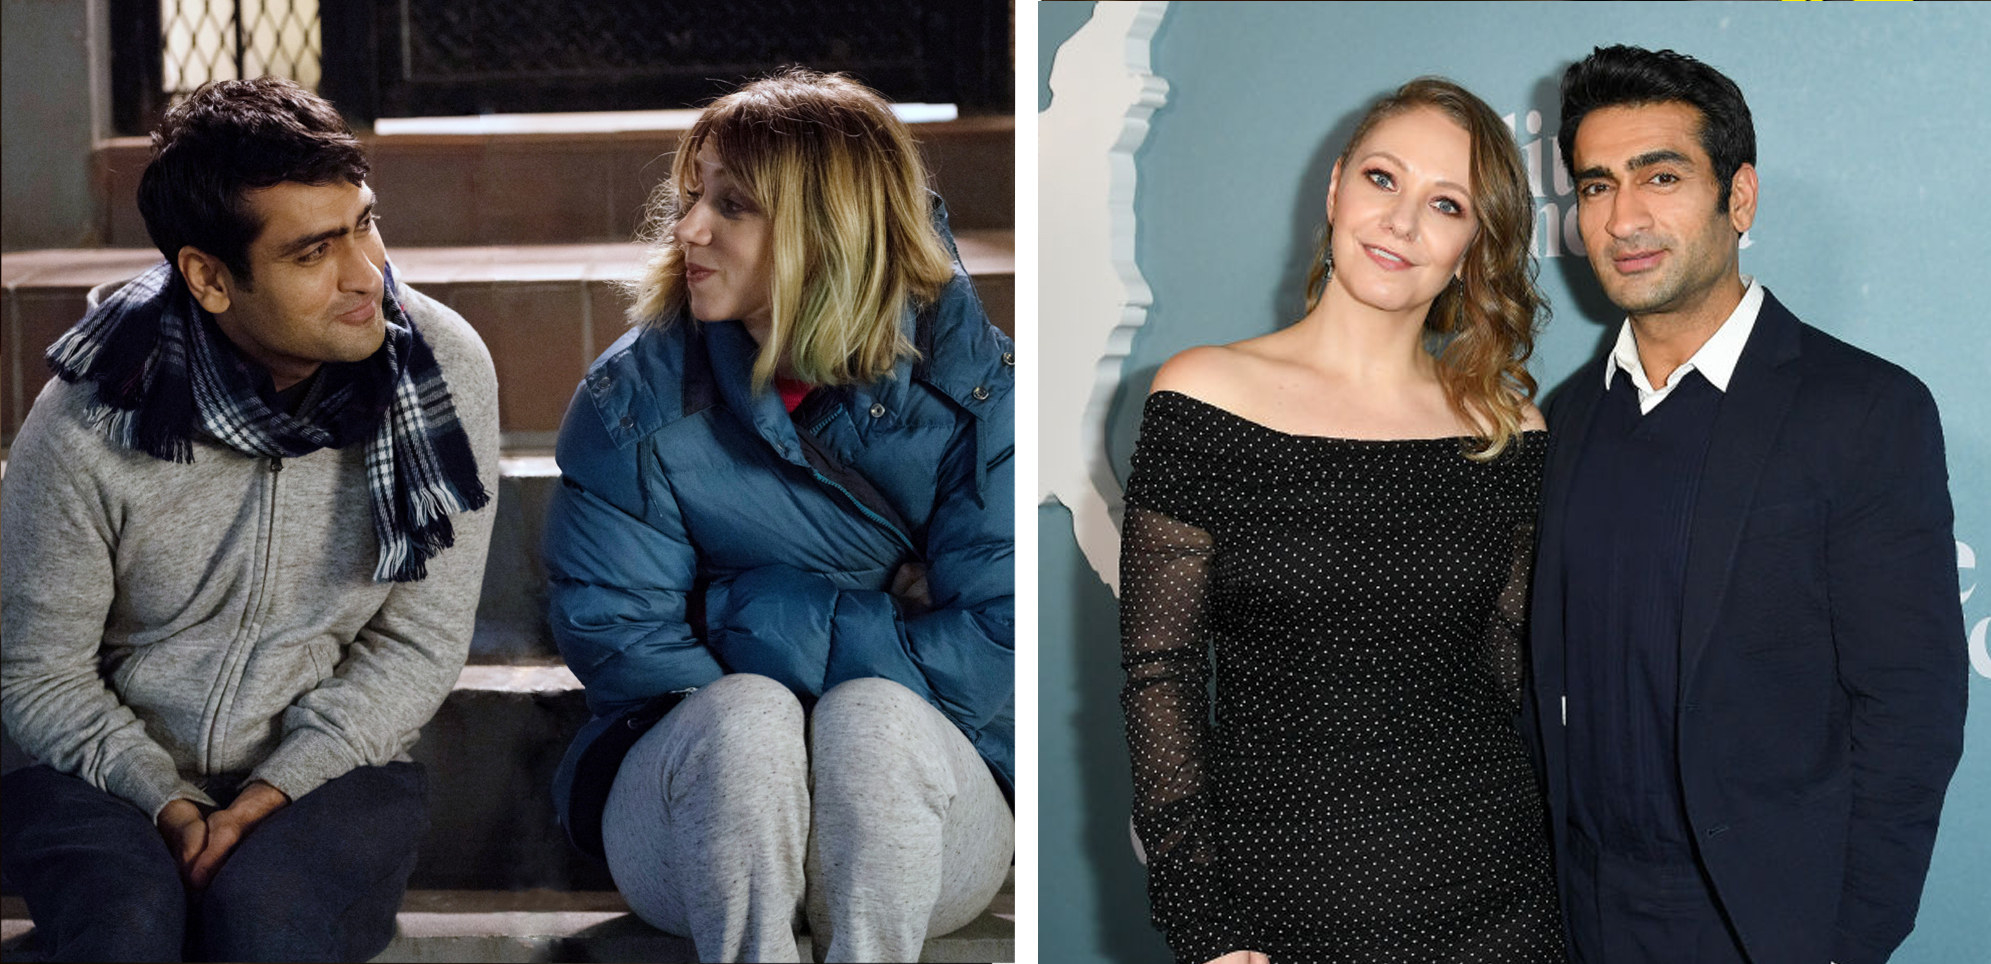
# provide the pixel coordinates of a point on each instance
(1343, 511)
(780, 557)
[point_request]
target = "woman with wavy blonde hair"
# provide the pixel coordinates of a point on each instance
(781, 555)
(1342, 510)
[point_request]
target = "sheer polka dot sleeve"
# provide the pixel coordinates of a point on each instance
(1507, 623)
(1164, 581)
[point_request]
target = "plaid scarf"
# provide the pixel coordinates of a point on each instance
(163, 368)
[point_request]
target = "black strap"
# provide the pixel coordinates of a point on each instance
(856, 483)
(594, 773)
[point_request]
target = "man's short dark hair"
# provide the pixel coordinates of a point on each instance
(1624, 76)
(230, 137)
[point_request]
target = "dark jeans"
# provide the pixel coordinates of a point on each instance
(318, 880)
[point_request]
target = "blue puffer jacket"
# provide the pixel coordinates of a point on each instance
(697, 533)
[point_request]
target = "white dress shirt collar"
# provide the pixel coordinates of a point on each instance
(1715, 360)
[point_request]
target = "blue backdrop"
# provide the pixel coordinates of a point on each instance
(1873, 129)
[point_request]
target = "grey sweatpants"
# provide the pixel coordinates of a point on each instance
(875, 817)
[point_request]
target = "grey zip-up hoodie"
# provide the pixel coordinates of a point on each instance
(171, 627)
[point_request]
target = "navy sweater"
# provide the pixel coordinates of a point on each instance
(1629, 506)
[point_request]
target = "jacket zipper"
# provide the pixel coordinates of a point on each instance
(827, 417)
(884, 523)
(217, 734)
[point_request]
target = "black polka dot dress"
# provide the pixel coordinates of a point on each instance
(1362, 793)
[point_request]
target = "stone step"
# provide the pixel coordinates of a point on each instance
(490, 753)
(511, 608)
(545, 310)
(532, 187)
(547, 925)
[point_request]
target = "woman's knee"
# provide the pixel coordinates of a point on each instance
(867, 731)
(743, 702)
(736, 734)
(873, 704)
(743, 712)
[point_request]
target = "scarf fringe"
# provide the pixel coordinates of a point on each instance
(72, 354)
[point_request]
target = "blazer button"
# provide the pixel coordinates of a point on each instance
(1009, 358)
(981, 393)
(628, 420)
(877, 409)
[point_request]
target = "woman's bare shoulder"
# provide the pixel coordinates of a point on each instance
(1531, 418)
(1197, 370)
(1222, 375)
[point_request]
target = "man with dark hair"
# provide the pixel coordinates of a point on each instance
(1748, 673)
(244, 533)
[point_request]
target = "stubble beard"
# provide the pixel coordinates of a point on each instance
(1678, 288)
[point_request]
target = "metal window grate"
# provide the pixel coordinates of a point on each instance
(498, 56)
(410, 58)
(505, 39)
(205, 40)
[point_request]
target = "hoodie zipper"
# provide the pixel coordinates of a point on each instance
(245, 642)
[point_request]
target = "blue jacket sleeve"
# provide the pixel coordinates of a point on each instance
(959, 655)
(620, 569)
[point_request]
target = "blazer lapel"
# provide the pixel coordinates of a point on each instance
(1758, 399)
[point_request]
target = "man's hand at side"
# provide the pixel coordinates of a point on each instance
(227, 827)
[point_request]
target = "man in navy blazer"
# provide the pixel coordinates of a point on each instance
(1749, 672)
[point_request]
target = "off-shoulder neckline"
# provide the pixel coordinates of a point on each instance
(1335, 439)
